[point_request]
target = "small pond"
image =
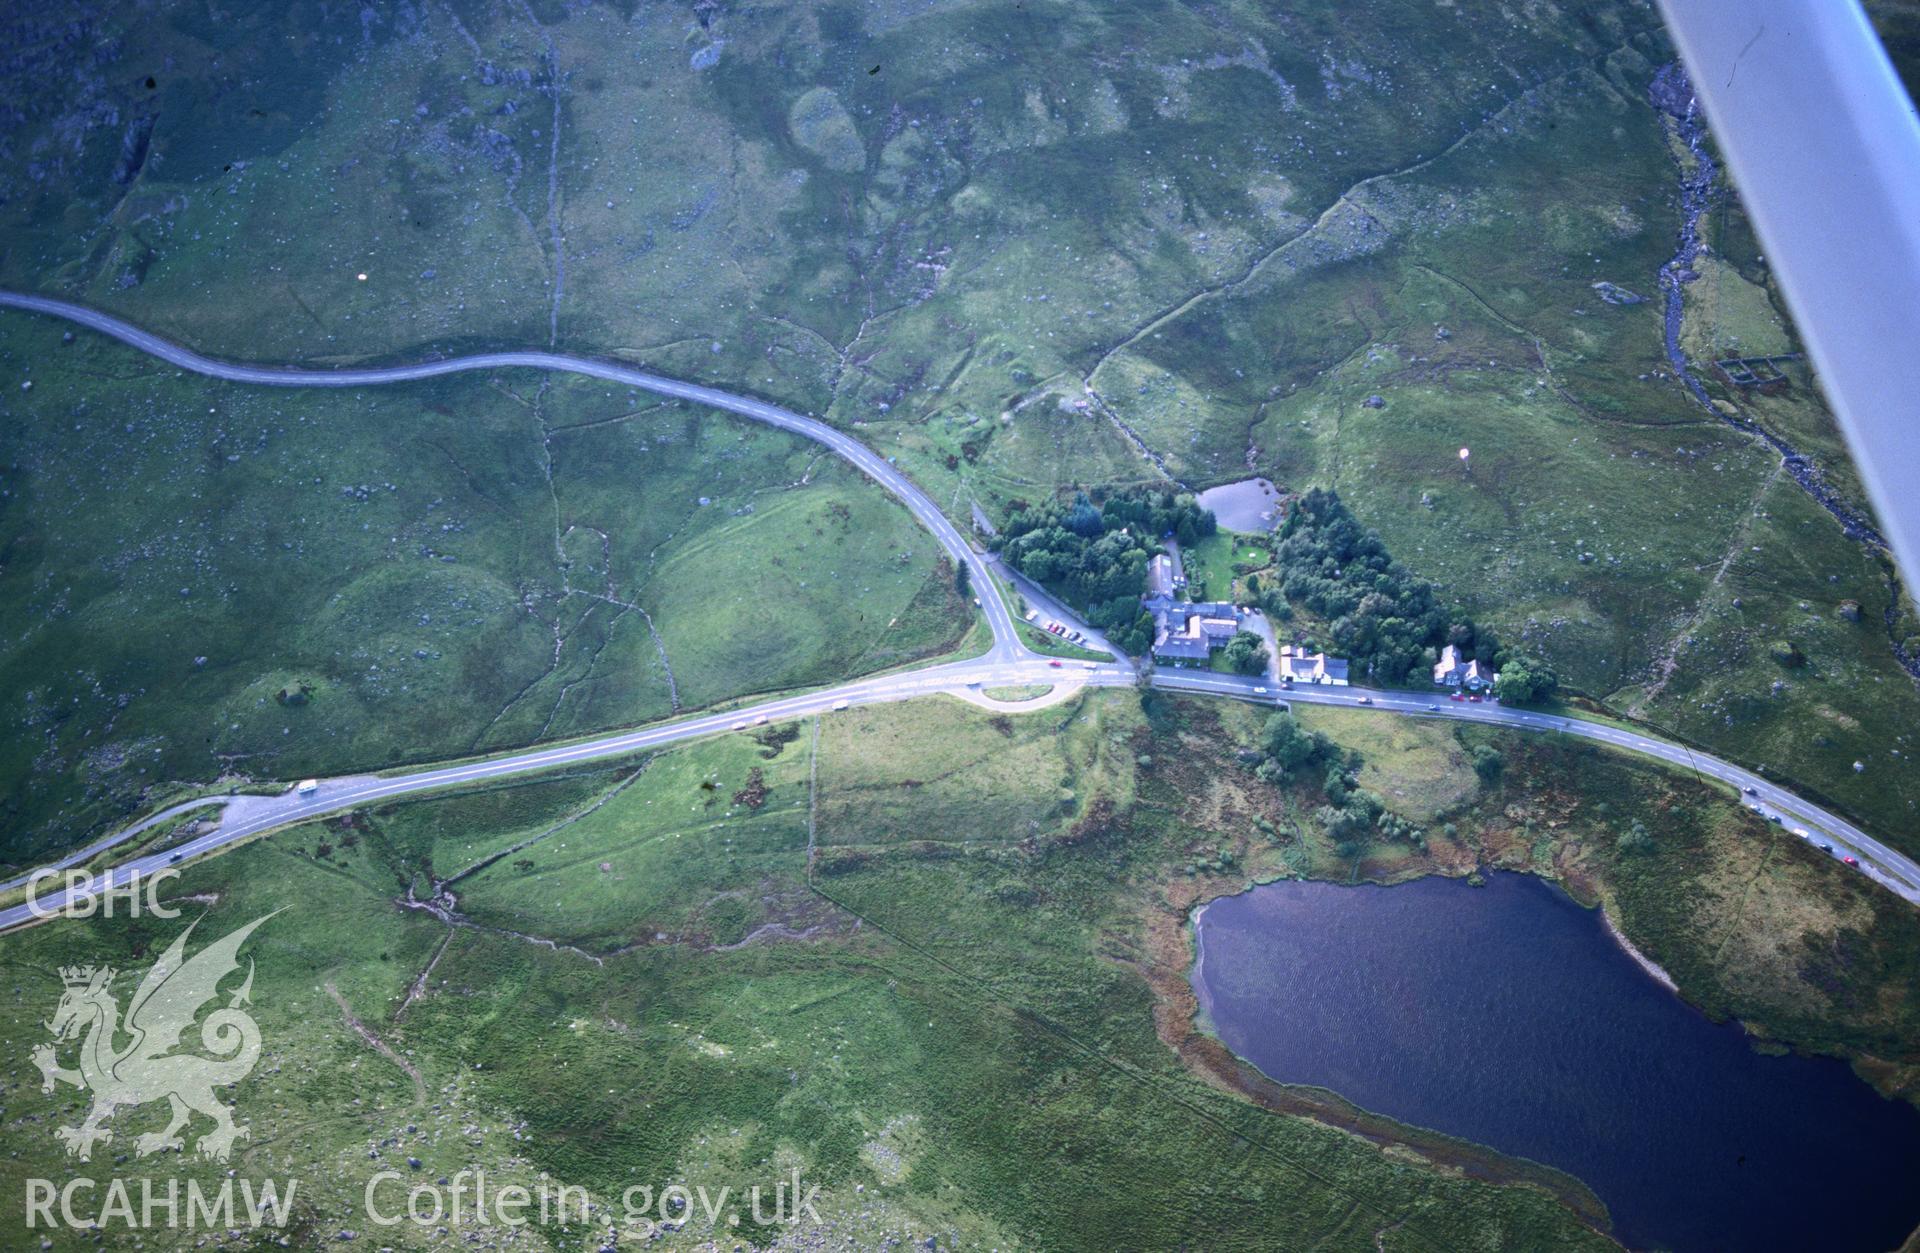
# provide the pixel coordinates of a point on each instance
(1250, 506)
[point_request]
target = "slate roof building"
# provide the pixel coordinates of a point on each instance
(1187, 632)
(1160, 576)
(1455, 671)
(1297, 665)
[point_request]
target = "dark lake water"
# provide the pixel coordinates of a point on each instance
(1507, 1015)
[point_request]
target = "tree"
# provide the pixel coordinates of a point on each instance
(1487, 762)
(1344, 826)
(1246, 653)
(1523, 681)
(1289, 745)
(963, 578)
(1084, 518)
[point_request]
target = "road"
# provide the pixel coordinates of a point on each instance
(1007, 643)
(1051, 610)
(1006, 664)
(1892, 870)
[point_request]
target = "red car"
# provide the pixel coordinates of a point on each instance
(1851, 861)
(1456, 696)
(1054, 664)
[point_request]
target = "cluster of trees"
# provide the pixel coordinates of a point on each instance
(1352, 813)
(1287, 747)
(1380, 615)
(1522, 680)
(1094, 553)
(1246, 653)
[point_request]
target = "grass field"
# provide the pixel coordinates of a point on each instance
(972, 977)
(724, 1023)
(205, 581)
(944, 259)
(1651, 553)
(1210, 566)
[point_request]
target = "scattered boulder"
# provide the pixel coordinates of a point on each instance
(1787, 653)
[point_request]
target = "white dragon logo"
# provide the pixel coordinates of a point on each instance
(165, 1004)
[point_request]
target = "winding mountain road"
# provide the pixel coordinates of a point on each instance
(872, 464)
(1007, 663)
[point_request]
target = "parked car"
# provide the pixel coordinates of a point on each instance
(1366, 700)
(1456, 696)
(1260, 691)
(761, 721)
(738, 726)
(839, 704)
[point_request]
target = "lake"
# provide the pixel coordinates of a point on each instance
(1507, 1015)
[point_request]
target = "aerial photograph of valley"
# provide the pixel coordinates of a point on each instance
(939, 625)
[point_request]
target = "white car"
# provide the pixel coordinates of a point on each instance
(1260, 691)
(839, 704)
(739, 726)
